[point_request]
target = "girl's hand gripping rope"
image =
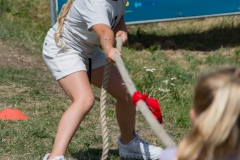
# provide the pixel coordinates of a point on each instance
(123, 35)
(111, 52)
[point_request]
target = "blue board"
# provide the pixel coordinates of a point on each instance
(146, 11)
(59, 4)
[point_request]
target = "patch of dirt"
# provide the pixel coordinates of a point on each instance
(17, 57)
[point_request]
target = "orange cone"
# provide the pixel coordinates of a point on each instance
(12, 114)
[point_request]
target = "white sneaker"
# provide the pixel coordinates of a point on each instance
(55, 158)
(139, 149)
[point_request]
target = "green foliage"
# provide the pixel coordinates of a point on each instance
(22, 22)
(139, 34)
(153, 48)
(148, 81)
(175, 71)
(237, 55)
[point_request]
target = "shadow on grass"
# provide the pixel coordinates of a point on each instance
(92, 154)
(95, 154)
(210, 40)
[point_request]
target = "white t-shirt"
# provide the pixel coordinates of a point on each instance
(83, 14)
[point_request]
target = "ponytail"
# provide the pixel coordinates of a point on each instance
(64, 11)
(217, 127)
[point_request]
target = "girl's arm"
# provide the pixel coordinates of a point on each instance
(121, 30)
(107, 40)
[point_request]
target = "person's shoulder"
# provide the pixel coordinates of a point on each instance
(168, 154)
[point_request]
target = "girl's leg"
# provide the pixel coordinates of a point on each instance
(125, 110)
(129, 146)
(79, 90)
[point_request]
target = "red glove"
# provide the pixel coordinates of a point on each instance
(152, 103)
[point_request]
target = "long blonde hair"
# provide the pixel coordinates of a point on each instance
(216, 132)
(64, 11)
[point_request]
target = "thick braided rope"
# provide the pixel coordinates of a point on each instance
(154, 124)
(103, 110)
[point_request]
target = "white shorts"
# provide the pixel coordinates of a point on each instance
(63, 62)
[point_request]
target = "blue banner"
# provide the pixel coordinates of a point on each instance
(59, 4)
(143, 11)
(146, 11)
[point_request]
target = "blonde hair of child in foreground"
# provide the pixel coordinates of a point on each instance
(216, 118)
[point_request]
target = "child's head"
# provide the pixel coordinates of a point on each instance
(216, 118)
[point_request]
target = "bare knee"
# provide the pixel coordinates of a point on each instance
(124, 98)
(85, 102)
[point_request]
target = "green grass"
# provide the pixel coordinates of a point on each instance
(179, 51)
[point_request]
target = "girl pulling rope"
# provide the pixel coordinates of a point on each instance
(71, 52)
